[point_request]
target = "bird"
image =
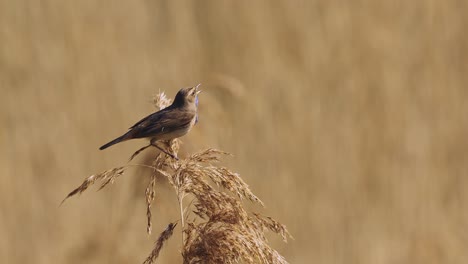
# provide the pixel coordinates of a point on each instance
(171, 122)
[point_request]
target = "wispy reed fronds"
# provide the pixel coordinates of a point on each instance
(215, 226)
(163, 237)
(106, 177)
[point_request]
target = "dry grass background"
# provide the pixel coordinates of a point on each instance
(348, 119)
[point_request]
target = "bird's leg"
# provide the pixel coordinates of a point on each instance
(154, 144)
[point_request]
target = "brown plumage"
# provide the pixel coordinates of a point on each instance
(171, 122)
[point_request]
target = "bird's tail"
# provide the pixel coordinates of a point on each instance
(113, 142)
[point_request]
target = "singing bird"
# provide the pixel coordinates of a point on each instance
(171, 122)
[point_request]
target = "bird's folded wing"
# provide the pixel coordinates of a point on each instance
(160, 123)
(153, 118)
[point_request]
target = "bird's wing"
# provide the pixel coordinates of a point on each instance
(160, 123)
(153, 116)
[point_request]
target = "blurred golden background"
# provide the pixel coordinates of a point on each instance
(347, 118)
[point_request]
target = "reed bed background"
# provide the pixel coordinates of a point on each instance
(347, 119)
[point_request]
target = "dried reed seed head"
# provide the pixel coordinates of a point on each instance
(150, 194)
(208, 155)
(174, 145)
(163, 237)
(193, 167)
(107, 176)
(160, 101)
(110, 176)
(229, 230)
(272, 225)
(226, 243)
(228, 233)
(230, 181)
(211, 204)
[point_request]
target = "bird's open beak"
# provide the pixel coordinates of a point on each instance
(196, 88)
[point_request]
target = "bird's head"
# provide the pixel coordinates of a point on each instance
(187, 96)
